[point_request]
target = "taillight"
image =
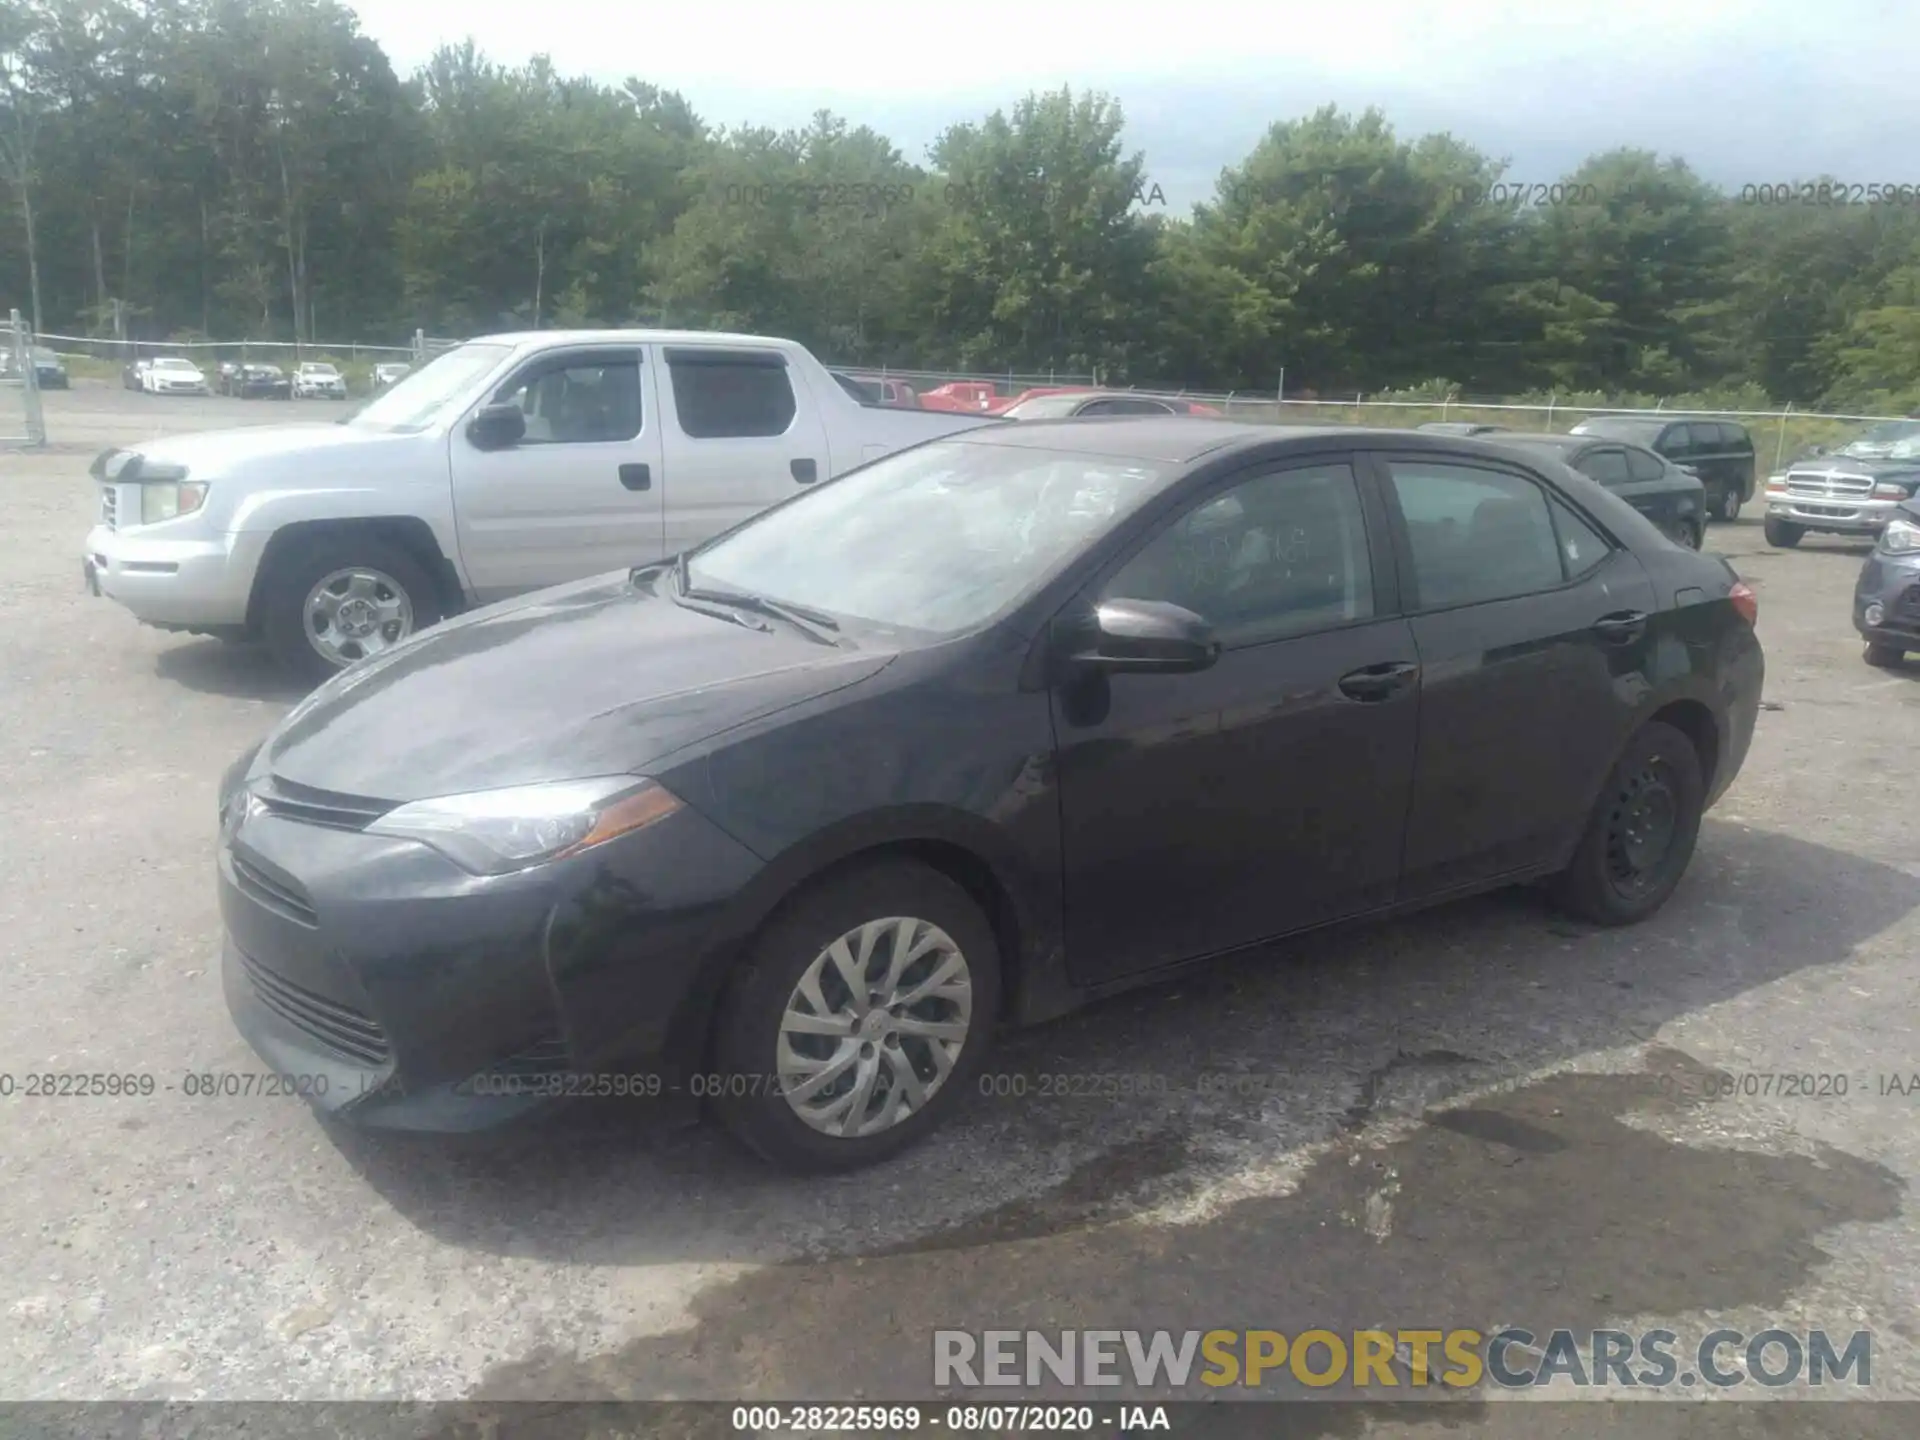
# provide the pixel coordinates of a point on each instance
(1745, 601)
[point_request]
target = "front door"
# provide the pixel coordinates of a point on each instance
(581, 493)
(738, 438)
(1533, 632)
(1210, 810)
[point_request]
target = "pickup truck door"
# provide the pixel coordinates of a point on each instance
(742, 432)
(581, 493)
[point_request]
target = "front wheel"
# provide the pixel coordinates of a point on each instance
(1782, 533)
(1686, 534)
(1640, 835)
(860, 1018)
(1884, 657)
(340, 600)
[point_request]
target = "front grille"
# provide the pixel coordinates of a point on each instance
(110, 506)
(339, 1027)
(294, 801)
(285, 898)
(1824, 486)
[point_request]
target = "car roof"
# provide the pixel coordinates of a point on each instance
(1184, 439)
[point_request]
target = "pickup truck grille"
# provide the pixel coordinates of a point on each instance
(110, 506)
(1825, 485)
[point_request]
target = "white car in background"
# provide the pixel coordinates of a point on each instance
(171, 375)
(390, 373)
(316, 380)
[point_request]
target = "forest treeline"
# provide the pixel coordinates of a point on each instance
(257, 168)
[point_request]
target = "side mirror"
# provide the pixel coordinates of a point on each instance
(1149, 636)
(496, 427)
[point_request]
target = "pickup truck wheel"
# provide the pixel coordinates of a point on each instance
(1641, 833)
(343, 600)
(1884, 657)
(1783, 534)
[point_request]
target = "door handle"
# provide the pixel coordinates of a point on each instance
(805, 471)
(1621, 628)
(636, 476)
(1373, 683)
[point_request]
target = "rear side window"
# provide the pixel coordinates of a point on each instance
(1642, 465)
(1581, 546)
(1609, 467)
(1735, 437)
(1474, 534)
(724, 395)
(1126, 407)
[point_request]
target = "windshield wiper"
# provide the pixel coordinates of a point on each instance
(812, 623)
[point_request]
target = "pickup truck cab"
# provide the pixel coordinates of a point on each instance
(507, 464)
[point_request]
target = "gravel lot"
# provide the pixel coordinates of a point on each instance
(1464, 1118)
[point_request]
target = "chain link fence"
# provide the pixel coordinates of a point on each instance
(21, 420)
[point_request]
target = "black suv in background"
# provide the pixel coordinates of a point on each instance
(1718, 451)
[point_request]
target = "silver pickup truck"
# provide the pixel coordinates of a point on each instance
(507, 464)
(1854, 490)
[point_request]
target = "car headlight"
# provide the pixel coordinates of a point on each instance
(1901, 537)
(493, 832)
(170, 499)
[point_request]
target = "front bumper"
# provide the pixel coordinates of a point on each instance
(178, 581)
(418, 997)
(1836, 515)
(1886, 601)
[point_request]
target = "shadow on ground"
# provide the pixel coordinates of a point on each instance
(216, 667)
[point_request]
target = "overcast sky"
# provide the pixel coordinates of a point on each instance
(1748, 92)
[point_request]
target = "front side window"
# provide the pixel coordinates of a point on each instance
(1644, 465)
(1283, 554)
(1474, 534)
(719, 395)
(582, 401)
(937, 539)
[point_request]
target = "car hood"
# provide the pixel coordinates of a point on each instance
(213, 452)
(599, 677)
(1873, 467)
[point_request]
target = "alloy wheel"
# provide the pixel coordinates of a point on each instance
(875, 1026)
(357, 612)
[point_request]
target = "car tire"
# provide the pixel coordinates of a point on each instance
(1783, 534)
(1728, 506)
(1687, 533)
(1884, 657)
(1656, 783)
(754, 1061)
(295, 575)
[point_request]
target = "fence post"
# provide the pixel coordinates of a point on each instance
(1445, 402)
(23, 342)
(1358, 395)
(1552, 395)
(1780, 446)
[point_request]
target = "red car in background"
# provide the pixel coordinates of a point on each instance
(970, 395)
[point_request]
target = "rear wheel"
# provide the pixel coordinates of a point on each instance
(1729, 506)
(1640, 836)
(1884, 656)
(859, 1020)
(342, 599)
(1782, 533)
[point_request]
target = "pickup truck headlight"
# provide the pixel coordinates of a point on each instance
(1891, 490)
(1901, 537)
(494, 832)
(170, 499)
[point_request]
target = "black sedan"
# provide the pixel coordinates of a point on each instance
(967, 736)
(1886, 598)
(1674, 499)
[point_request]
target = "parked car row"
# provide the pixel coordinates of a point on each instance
(1045, 402)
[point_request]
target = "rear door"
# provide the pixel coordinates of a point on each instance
(1532, 632)
(1641, 479)
(581, 493)
(741, 433)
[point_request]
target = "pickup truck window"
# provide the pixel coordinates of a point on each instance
(728, 395)
(577, 401)
(935, 539)
(416, 401)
